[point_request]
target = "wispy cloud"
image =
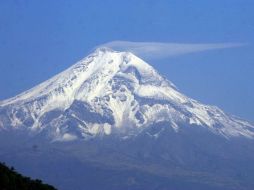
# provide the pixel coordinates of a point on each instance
(162, 50)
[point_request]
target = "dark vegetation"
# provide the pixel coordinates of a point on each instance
(12, 180)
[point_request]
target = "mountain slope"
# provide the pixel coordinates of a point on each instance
(111, 93)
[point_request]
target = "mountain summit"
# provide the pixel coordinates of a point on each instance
(112, 93)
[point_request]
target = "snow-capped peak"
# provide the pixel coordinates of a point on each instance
(111, 92)
(87, 78)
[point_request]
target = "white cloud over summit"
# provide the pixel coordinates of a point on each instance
(162, 50)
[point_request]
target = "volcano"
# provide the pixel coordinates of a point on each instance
(111, 121)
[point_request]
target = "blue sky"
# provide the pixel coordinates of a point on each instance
(38, 39)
